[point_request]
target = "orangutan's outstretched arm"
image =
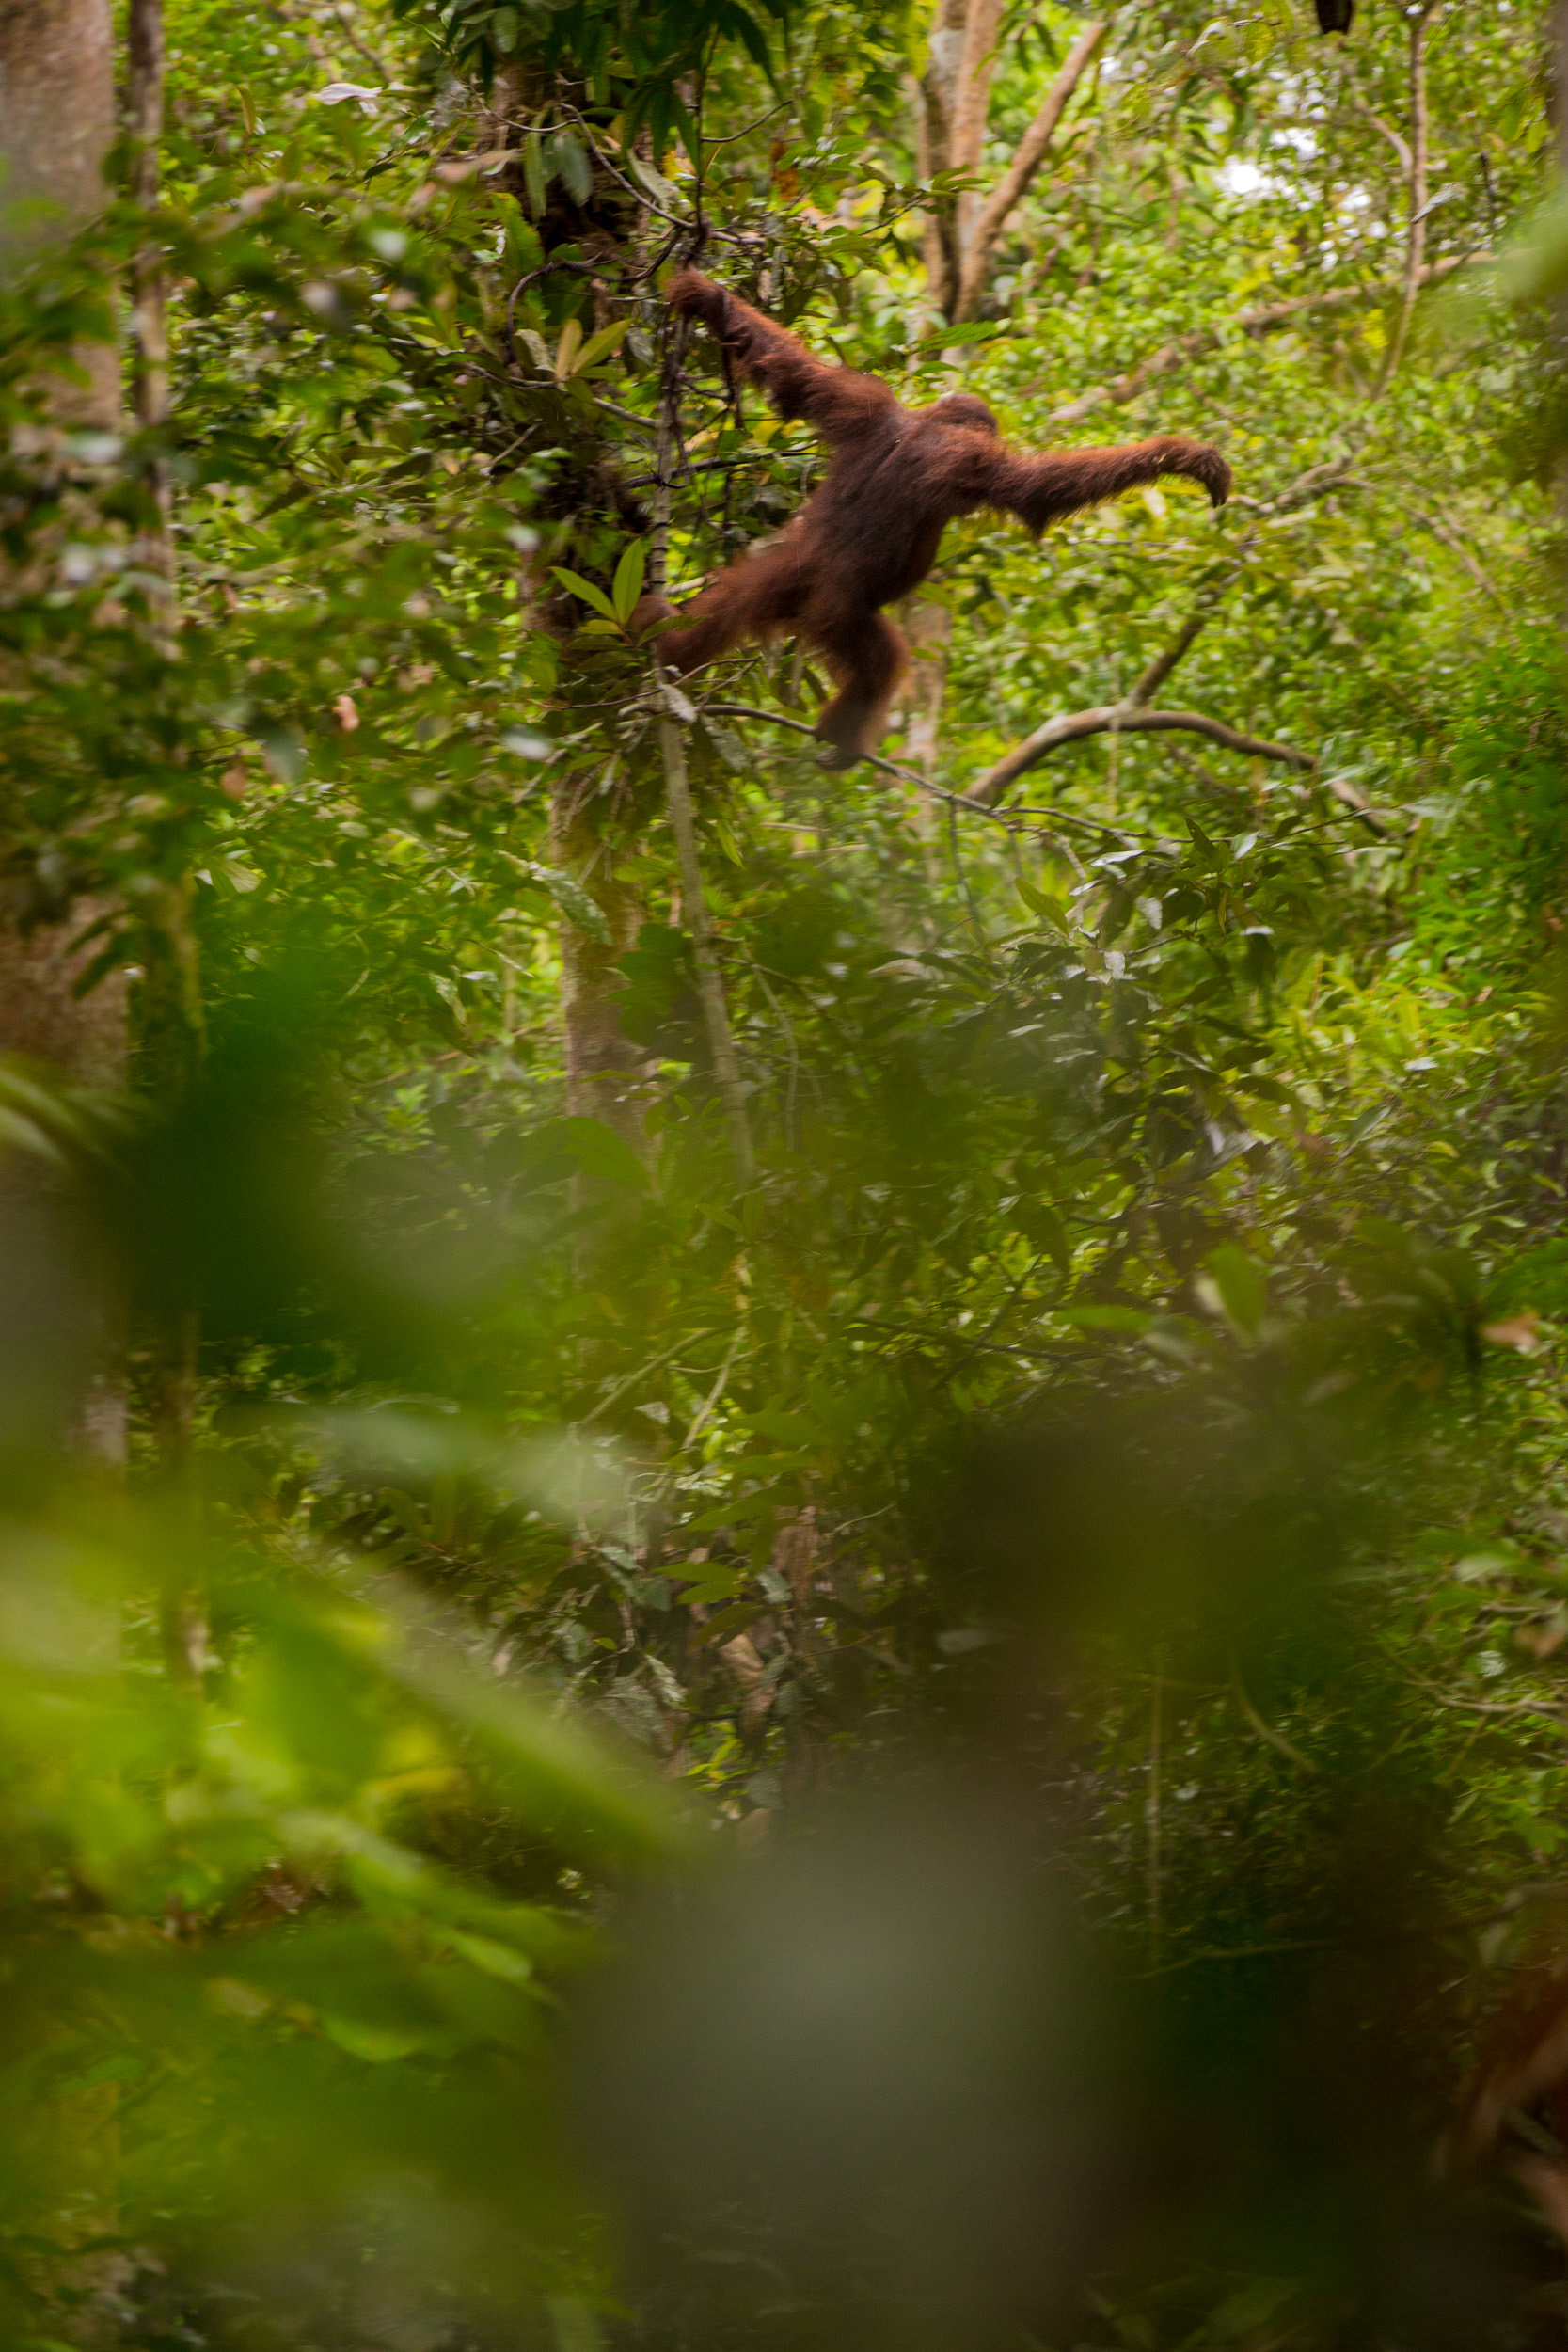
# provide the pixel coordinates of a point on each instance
(1041, 490)
(837, 401)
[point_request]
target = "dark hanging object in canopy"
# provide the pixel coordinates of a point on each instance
(1334, 16)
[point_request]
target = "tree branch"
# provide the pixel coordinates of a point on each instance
(1123, 718)
(1266, 320)
(1132, 715)
(1020, 175)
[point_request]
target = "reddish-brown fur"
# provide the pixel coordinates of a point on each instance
(869, 533)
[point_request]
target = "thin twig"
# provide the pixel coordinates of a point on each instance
(641, 1373)
(344, 15)
(150, 326)
(710, 1405)
(1447, 535)
(1266, 1731)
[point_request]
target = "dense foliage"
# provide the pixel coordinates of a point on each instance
(1124, 1387)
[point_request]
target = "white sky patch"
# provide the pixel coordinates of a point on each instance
(1237, 176)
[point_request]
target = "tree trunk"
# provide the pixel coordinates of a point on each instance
(56, 125)
(938, 94)
(603, 1065)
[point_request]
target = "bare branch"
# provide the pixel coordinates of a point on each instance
(1163, 664)
(1020, 174)
(1398, 146)
(1133, 714)
(1352, 797)
(1123, 718)
(1266, 320)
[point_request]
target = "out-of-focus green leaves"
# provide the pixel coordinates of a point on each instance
(230, 1883)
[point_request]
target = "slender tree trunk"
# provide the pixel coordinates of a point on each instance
(149, 321)
(1415, 184)
(677, 790)
(172, 1038)
(930, 631)
(602, 1062)
(938, 102)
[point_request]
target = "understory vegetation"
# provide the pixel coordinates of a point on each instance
(835, 1602)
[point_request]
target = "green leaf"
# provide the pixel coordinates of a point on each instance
(598, 1150)
(1040, 902)
(1240, 1283)
(729, 1622)
(710, 1591)
(601, 344)
(567, 348)
(533, 173)
(1104, 1318)
(586, 590)
(627, 584)
(751, 37)
(573, 163)
(573, 902)
(654, 181)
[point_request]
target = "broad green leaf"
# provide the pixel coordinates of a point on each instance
(1240, 1285)
(573, 902)
(572, 161)
(598, 1150)
(627, 584)
(586, 590)
(601, 343)
(567, 348)
(533, 172)
(1040, 902)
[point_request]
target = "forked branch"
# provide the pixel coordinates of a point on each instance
(1021, 173)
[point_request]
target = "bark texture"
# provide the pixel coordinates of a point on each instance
(603, 1066)
(56, 125)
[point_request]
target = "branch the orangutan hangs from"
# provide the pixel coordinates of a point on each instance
(869, 533)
